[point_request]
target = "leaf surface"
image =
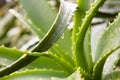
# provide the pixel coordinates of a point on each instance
(107, 44)
(36, 74)
(44, 74)
(40, 13)
(109, 40)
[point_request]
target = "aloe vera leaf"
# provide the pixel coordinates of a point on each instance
(8, 55)
(108, 40)
(64, 16)
(98, 67)
(112, 64)
(40, 33)
(43, 74)
(50, 37)
(115, 75)
(96, 31)
(44, 62)
(87, 47)
(61, 53)
(60, 61)
(78, 48)
(83, 6)
(43, 16)
(31, 26)
(40, 13)
(107, 44)
(35, 74)
(65, 38)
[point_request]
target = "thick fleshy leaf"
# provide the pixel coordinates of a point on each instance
(32, 27)
(107, 44)
(43, 75)
(98, 67)
(96, 31)
(64, 17)
(87, 48)
(111, 64)
(40, 13)
(58, 27)
(65, 38)
(109, 40)
(40, 18)
(78, 48)
(66, 66)
(36, 74)
(115, 75)
(8, 55)
(44, 62)
(61, 22)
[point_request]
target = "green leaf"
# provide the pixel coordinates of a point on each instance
(62, 54)
(107, 44)
(108, 40)
(8, 55)
(35, 74)
(61, 22)
(66, 66)
(43, 74)
(40, 13)
(41, 17)
(66, 38)
(64, 17)
(84, 5)
(47, 61)
(84, 60)
(87, 48)
(32, 27)
(98, 67)
(96, 31)
(112, 64)
(44, 62)
(113, 76)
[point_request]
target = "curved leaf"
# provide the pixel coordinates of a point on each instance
(53, 34)
(36, 74)
(66, 66)
(32, 27)
(78, 48)
(98, 68)
(112, 63)
(109, 39)
(43, 74)
(96, 31)
(59, 26)
(40, 13)
(107, 44)
(8, 55)
(113, 76)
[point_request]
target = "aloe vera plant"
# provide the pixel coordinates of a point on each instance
(75, 56)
